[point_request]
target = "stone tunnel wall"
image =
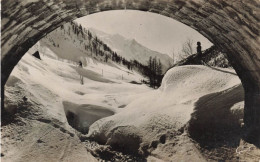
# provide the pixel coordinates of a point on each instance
(232, 25)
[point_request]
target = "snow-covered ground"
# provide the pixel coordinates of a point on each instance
(156, 117)
(50, 85)
(104, 85)
(130, 117)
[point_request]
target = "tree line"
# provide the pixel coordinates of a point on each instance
(155, 72)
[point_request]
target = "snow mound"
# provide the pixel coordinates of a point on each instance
(238, 109)
(192, 81)
(156, 115)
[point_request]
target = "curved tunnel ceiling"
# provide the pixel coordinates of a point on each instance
(232, 25)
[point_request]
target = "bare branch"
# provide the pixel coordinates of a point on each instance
(187, 48)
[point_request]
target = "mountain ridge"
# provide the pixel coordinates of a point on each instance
(131, 49)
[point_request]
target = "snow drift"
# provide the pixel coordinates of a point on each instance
(40, 93)
(151, 119)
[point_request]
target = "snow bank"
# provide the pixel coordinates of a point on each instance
(190, 82)
(157, 114)
(53, 80)
(49, 84)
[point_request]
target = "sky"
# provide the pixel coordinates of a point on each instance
(154, 31)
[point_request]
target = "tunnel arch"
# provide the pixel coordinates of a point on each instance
(232, 25)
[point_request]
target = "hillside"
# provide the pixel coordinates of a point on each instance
(131, 49)
(212, 57)
(74, 43)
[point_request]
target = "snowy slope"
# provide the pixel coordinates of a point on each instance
(65, 44)
(131, 49)
(97, 77)
(52, 88)
(161, 115)
(181, 87)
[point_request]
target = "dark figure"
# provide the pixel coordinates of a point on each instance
(25, 99)
(199, 53)
(37, 55)
(80, 64)
(199, 49)
(81, 77)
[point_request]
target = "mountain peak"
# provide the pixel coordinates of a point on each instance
(131, 49)
(118, 36)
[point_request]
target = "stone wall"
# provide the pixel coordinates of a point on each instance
(232, 25)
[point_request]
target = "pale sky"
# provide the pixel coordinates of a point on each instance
(154, 31)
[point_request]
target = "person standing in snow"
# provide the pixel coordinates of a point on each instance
(81, 77)
(199, 53)
(199, 49)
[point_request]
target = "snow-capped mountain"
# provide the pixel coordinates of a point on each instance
(131, 49)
